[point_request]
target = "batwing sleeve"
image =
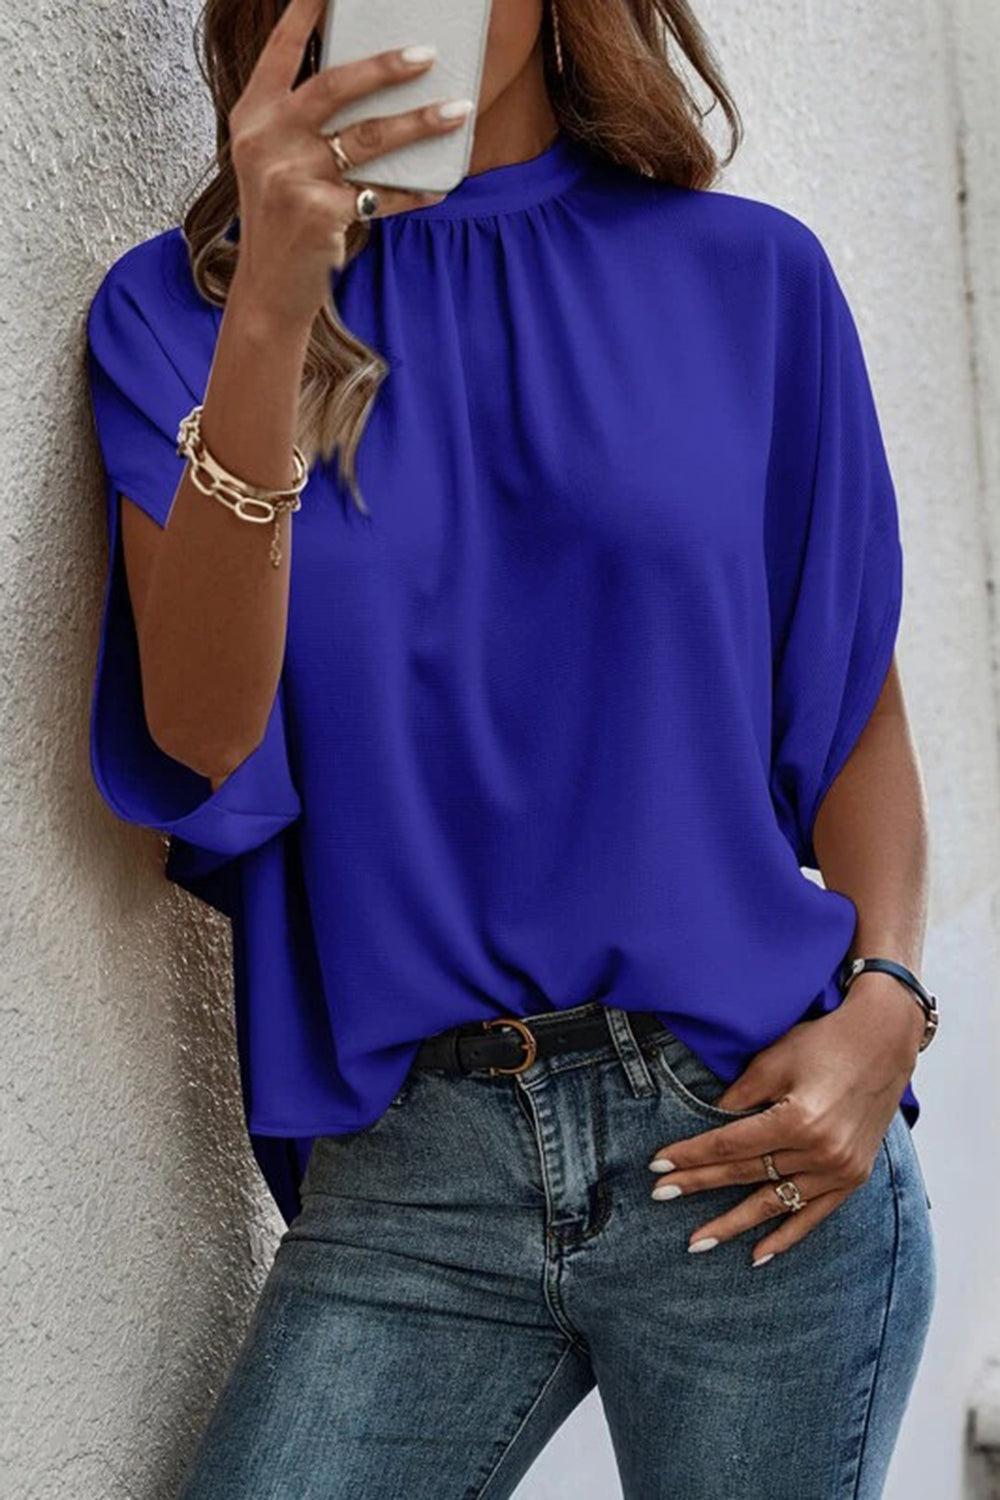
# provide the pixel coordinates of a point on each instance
(834, 557)
(147, 339)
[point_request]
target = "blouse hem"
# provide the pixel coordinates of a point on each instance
(307, 1130)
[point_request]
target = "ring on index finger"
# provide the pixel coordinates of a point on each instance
(770, 1168)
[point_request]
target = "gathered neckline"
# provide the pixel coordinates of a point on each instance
(516, 184)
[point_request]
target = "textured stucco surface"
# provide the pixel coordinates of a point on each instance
(135, 1227)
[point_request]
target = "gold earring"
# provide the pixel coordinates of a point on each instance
(556, 38)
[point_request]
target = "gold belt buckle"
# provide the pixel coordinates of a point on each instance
(527, 1036)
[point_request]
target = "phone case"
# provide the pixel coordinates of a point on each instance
(359, 28)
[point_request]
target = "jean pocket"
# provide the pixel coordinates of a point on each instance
(907, 1161)
(327, 1147)
(692, 1082)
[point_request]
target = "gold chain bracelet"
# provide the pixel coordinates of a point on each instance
(245, 500)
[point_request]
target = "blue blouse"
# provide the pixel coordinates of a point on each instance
(555, 721)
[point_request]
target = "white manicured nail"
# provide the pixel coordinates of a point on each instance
(454, 109)
(661, 1164)
(666, 1190)
(418, 53)
(763, 1259)
(706, 1244)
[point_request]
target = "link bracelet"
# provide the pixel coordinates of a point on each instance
(247, 501)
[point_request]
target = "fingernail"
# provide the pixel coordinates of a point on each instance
(763, 1259)
(708, 1243)
(661, 1164)
(666, 1190)
(418, 53)
(455, 108)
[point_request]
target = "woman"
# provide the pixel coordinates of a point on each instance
(506, 748)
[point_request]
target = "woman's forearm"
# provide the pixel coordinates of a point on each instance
(871, 838)
(210, 607)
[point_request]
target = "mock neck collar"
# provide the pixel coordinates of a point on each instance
(517, 184)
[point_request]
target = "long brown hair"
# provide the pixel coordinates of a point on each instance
(620, 92)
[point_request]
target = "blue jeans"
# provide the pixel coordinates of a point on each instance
(465, 1269)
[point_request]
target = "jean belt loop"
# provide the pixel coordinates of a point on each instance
(629, 1052)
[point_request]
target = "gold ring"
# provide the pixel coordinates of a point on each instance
(343, 160)
(770, 1168)
(789, 1195)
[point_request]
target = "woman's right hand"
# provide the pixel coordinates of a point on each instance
(295, 207)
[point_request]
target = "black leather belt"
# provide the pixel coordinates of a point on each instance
(509, 1044)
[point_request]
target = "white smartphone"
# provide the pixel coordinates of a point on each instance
(457, 28)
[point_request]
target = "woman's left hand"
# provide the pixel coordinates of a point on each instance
(835, 1083)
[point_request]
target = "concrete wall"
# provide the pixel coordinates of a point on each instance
(135, 1229)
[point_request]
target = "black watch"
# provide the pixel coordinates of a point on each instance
(852, 967)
